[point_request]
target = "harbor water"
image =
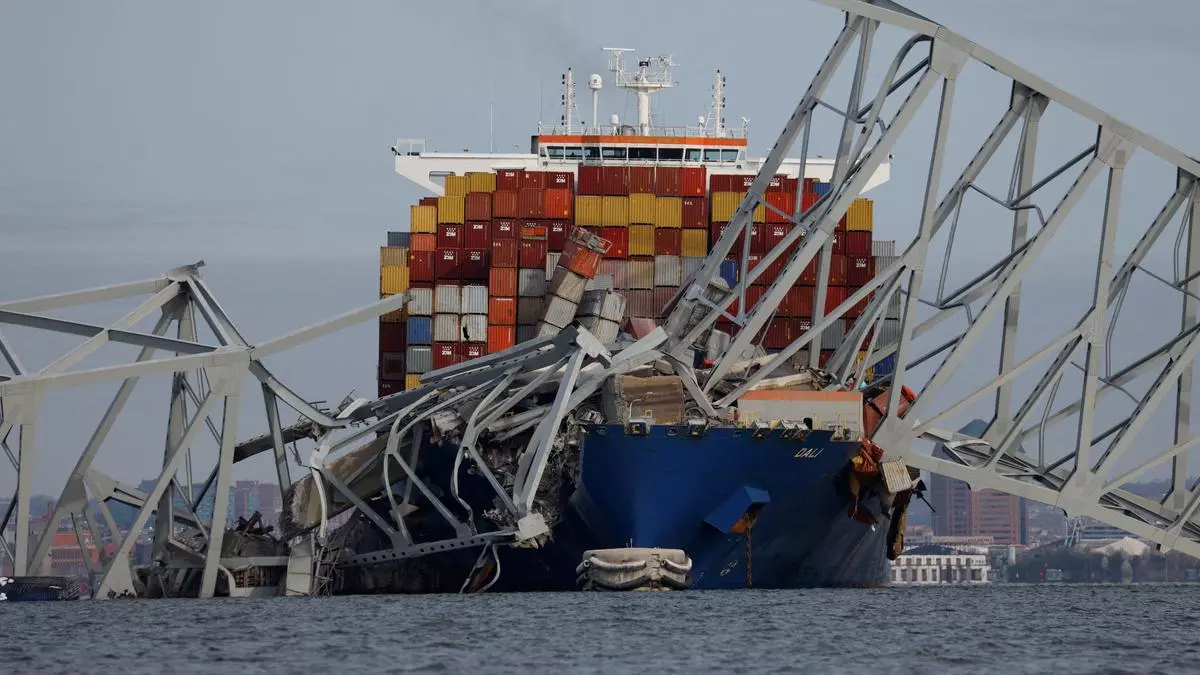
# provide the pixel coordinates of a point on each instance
(1003, 628)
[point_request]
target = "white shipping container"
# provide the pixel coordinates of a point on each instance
(474, 327)
(530, 310)
(559, 311)
(544, 329)
(894, 307)
(667, 270)
(691, 266)
(882, 262)
(889, 331)
(834, 335)
(605, 304)
(605, 331)
(419, 359)
(420, 302)
(447, 299)
(552, 259)
(601, 282)
(567, 285)
(446, 328)
(531, 283)
(886, 247)
(474, 300)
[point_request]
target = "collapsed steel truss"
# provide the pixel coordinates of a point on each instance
(1083, 479)
(462, 402)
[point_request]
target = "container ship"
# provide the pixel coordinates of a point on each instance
(599, 226)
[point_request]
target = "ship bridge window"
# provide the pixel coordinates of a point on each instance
(612, 153)
(692, 154)
(729, 155)
(591, 152)
(555, 152)
(646, 154)
(670, 154)
(712, 155)
(573, 152)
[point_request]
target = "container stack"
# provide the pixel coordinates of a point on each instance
(393, 327)
(578, 264)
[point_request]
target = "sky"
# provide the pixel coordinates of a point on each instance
(138, 136)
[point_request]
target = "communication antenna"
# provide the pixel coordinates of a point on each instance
(653, 74)
(716, 111)
(595, 83)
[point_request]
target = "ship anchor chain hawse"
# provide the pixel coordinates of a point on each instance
(637, 358)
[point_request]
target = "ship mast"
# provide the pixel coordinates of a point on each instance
(568, 100)
(653, 74)
(715, 115)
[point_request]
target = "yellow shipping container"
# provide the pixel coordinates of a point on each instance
(412, 382)
(589, 210)
(760, 213)
(393, 255)
(641, 240)
(695, 243)
(393, 279)
(615, 212)
(451, 209)
(481, 181)
(423, 219)
(861, 216)
(724, 204)
(641, 209)
(668, 212)
(396, 316)
(456, 186)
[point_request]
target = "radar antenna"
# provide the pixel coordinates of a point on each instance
(653, 74)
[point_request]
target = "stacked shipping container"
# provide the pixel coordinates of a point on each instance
(486, 267)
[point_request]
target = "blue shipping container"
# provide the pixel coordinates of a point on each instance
(729, 270)
(886, 367)
(420, 330)
(399, 239)
(821, 189)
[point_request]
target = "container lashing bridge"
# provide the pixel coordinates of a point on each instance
(364, 444)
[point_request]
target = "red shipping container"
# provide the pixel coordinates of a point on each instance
(533, 229)
(393, 337)
(508, 180)
(530, 203)
(809, 199)
(389, 387)
(477, 235)
(479, 206)
(504, 204)
(780, 333)
(502, 281)
(641, 179)
(837, 270)
(790, 185)
(806, 298)
(532, 254)
(773, 235)
(717, 230)
(858, 244)
(502, 310)
(752, 261)
(504, 253)
(695, 211)
(424, 242)
(857, 308)
(420, 266)
(662, 297)
(667, 181)
(616, 180)
(449, 236)
(473, 350)
(446, 354)
(533, 180)
(775, 184)
(839, 243)
(505, 229)
(667, 241)
(841, 225)
(473, 264)
(773, 271)
(556, 234)
(558, 203)
(834, 296)
(758, 238)
(591, 180)
(859, 271)
(560, 180)
(584, 262)
(793, 302)
(692, 180)
(446, 265)
(754, 294)
(784, 202)
(641, 303)
(810, 184)
(809, 276)
(428, 201)
(501, 338)
(619, 240)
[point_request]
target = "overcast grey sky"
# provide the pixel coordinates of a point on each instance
(137, 136)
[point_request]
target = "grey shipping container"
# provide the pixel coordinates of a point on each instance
(691, 266)
(447, 299)
(618, 270)
(552, 259)
(889, 331)
(544, 329)
(446, 328)
(895, 306)
(402, 239)
(559, 311)
(834, 335)
(641, 303)
(419, 359)
(474, 300)
(641, 274)
(885, 247)
(605, 331)
(531, 283)
(526, 333)
(529, 310)
(667, 270)
(567, 285)
(605, 304)
(601, 282)
(474, 327)
(883, 261)
(420, 301)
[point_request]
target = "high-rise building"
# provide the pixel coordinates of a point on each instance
(961, 512)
